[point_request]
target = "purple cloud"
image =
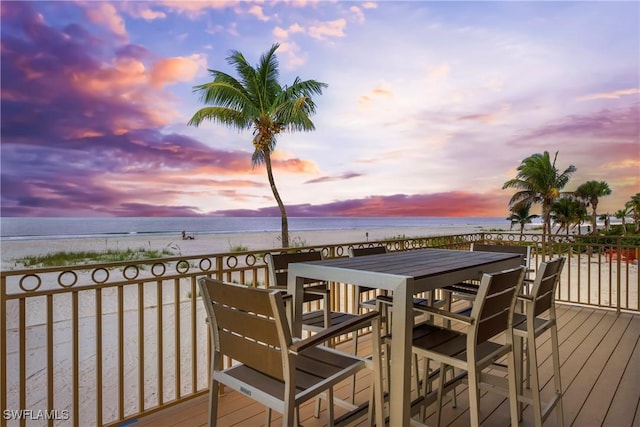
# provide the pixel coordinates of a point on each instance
(344, 176)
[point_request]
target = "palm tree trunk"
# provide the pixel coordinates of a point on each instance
(546, 232)
(274, 190)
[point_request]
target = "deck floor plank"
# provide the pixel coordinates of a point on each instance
(626, 401)
(600, 365)
(610, 376)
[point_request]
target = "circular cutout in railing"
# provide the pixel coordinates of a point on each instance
(205, 264)
(130, 276)
(250, 260)
(101, 270)
(182, 266)
(158, 269)
(25, 287)
(62, 276)
(232, 261)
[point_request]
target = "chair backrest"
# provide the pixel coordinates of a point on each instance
(372, 250)
(544, 286)
(494, 304)
(279, 265)
(248, 325)
(524, 251)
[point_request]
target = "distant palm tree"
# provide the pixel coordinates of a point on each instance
(539, 181)
(622, 214)
(520, 214)
(634, 206)
(590, 192)
(605, 218)
(257, 101)
(568, 212)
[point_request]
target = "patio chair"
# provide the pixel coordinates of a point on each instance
(367, 303)
(467, 290)
(528, 327)
(315, 320)
(371, 303)
(474, 350)
(249, 326)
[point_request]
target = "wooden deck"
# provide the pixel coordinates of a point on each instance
(600, 357)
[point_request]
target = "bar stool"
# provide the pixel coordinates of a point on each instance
(528, 327)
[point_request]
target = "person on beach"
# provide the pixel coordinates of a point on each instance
(186, 237)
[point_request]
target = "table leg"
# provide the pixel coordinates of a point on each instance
(400, 381)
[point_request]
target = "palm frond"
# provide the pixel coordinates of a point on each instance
(226, 116)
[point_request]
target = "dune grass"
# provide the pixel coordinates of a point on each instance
(62, 258)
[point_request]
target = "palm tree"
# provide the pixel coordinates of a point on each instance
(520, 215)
(539, 181)
(567, 212)
(623, 214)
(634, 206)
(605, 218)
(257, 101)
(590, 192)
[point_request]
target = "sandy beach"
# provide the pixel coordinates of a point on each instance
(213, 243)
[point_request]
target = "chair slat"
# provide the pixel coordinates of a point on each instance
(282, 261)
(246, 299)
(496, 303)
(262, 329)
(258, 356)
(492, 326)
(373, 250)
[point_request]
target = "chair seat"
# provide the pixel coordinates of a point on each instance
(313, 367)
(520, 324)
(447, 342)
(314, 320)
(417, 302)
(425, 302)
(463, 290)
(368, 304)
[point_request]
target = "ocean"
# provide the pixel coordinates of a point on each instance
(52, 228)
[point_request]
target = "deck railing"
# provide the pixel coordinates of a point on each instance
(104, 344)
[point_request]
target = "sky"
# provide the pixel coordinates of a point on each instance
(430, 106)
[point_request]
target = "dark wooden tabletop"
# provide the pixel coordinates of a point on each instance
(417, 264)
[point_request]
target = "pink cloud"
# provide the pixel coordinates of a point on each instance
(438, 204)
(171, 70)
(105, 14)
(325, 30)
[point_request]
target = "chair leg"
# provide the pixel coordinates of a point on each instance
(556, 375)
(513, 388)
(532, 358)
(416, 368)
(376, 382)
(290, 415)
(454, 397)
(518, 349)
(440, 394)
(214, 389)
(330, 416)
(353, 379)
(474, 396)
(316, 411)
(268, 420)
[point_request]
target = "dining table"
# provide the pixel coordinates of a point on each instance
(404, 274)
